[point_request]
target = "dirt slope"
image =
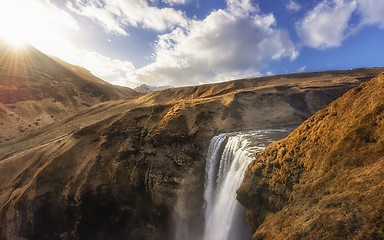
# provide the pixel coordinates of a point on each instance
(36, 90)
(326, 179)
(115, 170)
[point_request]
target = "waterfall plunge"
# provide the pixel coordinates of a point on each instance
(228, 157)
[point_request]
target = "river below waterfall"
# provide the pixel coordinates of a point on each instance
(228, 157)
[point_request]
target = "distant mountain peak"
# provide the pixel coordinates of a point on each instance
(144, 88)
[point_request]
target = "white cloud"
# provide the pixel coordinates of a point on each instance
(115, 71)
(223, 46)
(176, 2)
(112, 70)
(241, 7)
(327, 24)
(162, 19)
(56, 15)
(372, 12)
(115, 15)
(302, 69)
(106, 18)
(293, 6)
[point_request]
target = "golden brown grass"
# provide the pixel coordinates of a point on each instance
(326, 179)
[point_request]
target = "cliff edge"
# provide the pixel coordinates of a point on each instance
(117, 169)
(326, 179)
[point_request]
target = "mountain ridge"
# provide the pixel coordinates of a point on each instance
(37, 90)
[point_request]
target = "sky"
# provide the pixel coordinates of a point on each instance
(192, 42)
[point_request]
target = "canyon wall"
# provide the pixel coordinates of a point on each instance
(326, 179)
(116, 170)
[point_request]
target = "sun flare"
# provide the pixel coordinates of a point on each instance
(31, 22)
(14, 36)
(15, 25)
(16, 42)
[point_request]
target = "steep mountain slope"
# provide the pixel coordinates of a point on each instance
(116, 170)
(36, 90)
(326, 179)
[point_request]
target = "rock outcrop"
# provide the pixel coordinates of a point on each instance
(37, 90)
(116, 170)
(326, 179)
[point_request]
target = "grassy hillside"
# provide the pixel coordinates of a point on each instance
(326, 179)
(37, 90)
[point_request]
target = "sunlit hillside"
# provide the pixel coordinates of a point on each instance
(36, 90)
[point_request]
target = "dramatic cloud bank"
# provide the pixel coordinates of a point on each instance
(228, 44)
(235, 42)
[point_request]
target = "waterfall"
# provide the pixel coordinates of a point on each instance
(228, 157)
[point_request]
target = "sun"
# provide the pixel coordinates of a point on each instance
(15, 37)
(24, 22)
(41, 24)
(38, 23)
(16, 26)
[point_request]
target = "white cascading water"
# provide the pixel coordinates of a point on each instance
(228, 157)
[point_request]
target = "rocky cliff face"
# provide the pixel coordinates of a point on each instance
(326, 179)
(116, 170)
(37, 90)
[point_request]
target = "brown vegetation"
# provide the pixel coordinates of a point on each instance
(326, 179)
(37, 90)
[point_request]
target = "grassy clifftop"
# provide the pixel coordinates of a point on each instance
(326, 179)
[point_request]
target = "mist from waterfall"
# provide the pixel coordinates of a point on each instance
(228, 157)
